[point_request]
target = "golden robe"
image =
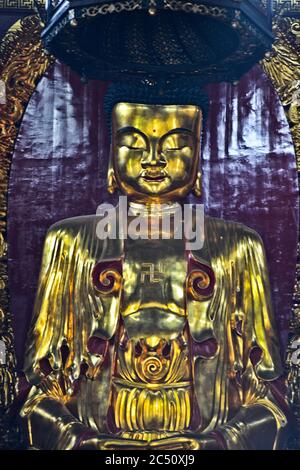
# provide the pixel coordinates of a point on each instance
(233, 391)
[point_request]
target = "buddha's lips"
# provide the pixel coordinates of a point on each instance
(154, 177)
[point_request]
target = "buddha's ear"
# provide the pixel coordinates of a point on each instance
(112, 184)
(197, 190)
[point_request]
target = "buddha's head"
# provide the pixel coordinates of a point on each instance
(155, 150)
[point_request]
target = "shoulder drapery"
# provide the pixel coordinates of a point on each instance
(68, 310)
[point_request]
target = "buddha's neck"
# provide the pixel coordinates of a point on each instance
(153, 208)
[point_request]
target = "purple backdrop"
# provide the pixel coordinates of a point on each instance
(59, 169)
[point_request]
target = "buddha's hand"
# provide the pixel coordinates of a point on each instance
(108, 442)
(188, 441)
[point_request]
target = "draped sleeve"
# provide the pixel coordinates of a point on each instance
(68, 310)
(254, 300)
(262, 420)
(234, 384)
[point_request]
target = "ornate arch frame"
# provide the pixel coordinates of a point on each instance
(23, 61)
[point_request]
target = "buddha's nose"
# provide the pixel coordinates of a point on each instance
(154, 158)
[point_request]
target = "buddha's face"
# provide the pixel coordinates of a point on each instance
(155, 150)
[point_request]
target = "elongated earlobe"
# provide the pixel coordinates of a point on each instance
(111, 181)
(112, 184)
(197, 186)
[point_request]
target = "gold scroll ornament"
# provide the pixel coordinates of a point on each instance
(282, 65)
(22, 63)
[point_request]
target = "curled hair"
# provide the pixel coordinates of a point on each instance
(156, 93)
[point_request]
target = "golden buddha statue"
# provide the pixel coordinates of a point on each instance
(142, 343)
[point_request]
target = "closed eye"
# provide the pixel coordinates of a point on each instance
(178, 148)
(130, 147)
